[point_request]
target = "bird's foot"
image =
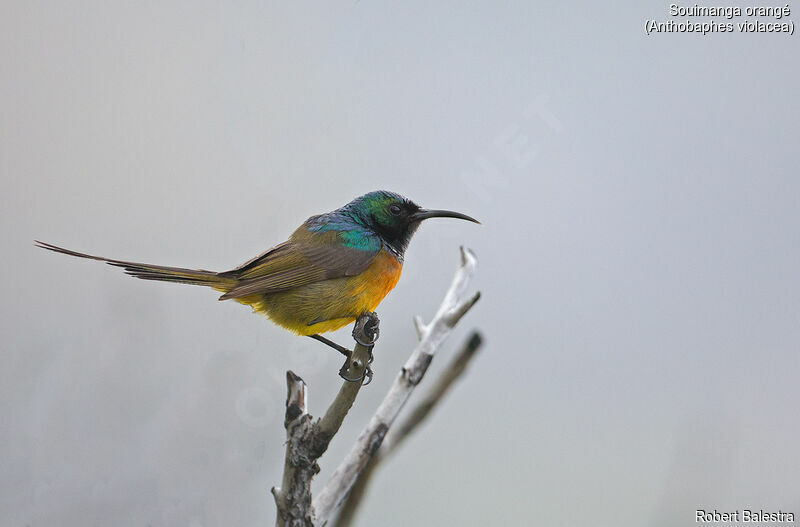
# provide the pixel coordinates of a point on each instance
(365, 332)
(365, 377)
(367, 329)
(368, 369)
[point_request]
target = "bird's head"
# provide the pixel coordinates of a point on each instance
(394, 217)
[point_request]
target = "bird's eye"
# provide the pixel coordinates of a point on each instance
(395, 209)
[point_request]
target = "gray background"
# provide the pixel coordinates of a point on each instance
(638, 258)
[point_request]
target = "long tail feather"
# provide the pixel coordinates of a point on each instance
(155, 272)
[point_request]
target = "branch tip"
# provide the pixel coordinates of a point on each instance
(419, 325)
(293, 377)
(467, 257)
(474, 342)
(460, 310)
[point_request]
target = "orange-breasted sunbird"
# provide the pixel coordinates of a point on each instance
(334, 268)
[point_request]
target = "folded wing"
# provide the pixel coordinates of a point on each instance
(301, 260)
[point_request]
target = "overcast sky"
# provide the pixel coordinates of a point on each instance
(639, 256)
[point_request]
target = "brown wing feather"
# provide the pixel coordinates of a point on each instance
(299, 261)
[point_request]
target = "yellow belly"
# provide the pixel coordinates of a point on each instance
(330, 304)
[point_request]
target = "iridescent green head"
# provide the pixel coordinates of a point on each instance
(394, 217)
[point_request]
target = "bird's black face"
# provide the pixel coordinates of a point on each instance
(392, 216)
(397, 218)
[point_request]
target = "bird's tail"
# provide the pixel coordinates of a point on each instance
(156, 272)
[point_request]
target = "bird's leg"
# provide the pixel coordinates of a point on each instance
(341, 349)
(365, 333)
(347, 353)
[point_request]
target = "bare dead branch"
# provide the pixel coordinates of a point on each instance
(324, 430)
(452, 308)
(293, 497)
(306, 442)
(350, 507)
(397, 434)
(423, 408)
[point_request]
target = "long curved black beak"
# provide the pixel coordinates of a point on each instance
(424, 214)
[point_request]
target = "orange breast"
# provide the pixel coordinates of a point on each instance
(372, 286)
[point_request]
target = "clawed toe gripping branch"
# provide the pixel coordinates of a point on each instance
(307, 440)
(365, 333)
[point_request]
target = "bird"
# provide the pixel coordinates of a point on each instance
(334, 267)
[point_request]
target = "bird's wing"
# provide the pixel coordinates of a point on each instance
(302, 260)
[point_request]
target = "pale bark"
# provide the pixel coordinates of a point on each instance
(454, 306)
(306, 441)
(397, 434)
